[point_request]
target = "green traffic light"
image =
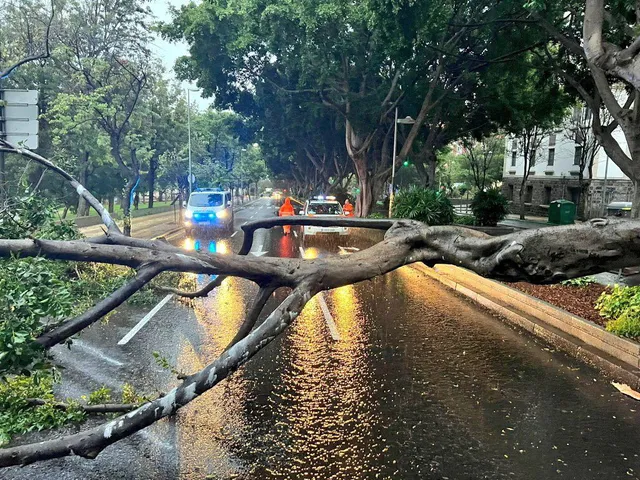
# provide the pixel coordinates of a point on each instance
(406, 163)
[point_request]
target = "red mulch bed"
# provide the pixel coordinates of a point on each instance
(580, 301)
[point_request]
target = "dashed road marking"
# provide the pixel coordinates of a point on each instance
(145, 320)
(295, 234)
(333, 329)
(331, 324)
(234, 234)
(97, 353)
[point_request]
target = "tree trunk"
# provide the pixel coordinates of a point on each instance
(65, 211)
(126, 207)
(83, 206)
(111, 206)
(153, 166)
(635, 205)
(364, 200)
(522, 206)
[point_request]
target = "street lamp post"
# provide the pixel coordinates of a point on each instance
(189, 178)
(405, 121)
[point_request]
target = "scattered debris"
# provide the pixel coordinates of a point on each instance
(627, 390)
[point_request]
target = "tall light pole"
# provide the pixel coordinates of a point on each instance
(405, 121)
(190, 177)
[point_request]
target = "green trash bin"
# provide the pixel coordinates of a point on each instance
(562, 212)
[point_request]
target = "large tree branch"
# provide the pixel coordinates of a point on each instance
(90, 443)
(71, 327)
(78, 187)
(541, 256)
(40, 56)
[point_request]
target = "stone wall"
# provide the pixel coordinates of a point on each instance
(539, 191)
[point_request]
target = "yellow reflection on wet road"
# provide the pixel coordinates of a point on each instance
(310, 253)
(205, 423)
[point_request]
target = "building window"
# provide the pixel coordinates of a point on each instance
(547, 195)
(510, 193)
(514, 144)
(577, 157)
(529, 194)
(552, 140)
(552, 157)
(513, 158)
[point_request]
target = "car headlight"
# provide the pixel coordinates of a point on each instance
(221, 214)
(188, 214)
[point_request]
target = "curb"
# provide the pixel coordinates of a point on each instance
(618, 357)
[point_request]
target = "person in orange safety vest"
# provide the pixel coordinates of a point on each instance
(286, 210)
(348, 208)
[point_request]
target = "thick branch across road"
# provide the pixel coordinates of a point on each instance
(541, 256)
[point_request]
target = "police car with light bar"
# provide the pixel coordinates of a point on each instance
(324, 207)
(208, 208)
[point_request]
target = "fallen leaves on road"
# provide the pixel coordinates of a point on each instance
(627, 390)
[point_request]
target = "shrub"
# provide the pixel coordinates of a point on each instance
(464, 220)
(579, 282)
(424, 205)
(622, 307)
(376, 215)
(18, 416)
(489, 207)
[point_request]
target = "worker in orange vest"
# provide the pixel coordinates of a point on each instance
(348, 208)
(286, 210)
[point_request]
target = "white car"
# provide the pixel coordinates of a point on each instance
(324, 207)
(208, 209)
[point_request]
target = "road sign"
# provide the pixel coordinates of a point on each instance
(19, 117)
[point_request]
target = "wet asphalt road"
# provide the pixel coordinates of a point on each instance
(410, 382)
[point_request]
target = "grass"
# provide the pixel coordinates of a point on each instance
(117, 210)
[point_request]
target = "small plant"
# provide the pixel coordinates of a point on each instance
(98, 397)
(129, 395)
(579, 282)
(18, 415)
(164, 363)
(622, 307)
(424, 205)
(376, 215)
(489, 207)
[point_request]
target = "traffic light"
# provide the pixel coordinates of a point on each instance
(406, 163)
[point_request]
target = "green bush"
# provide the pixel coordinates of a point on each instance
(376, 215)
(464, 220)
(424, 205)
(579, 282)
(489, 207)
(18, 416)
(622, 307)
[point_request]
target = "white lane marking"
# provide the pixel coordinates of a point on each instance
(258, 252)
(244, 223)
(234, 234)
(348, 249)
(333, 329)
(144, 321)
(97, 353)
(302, 251)
(252, 215)
(295, 234)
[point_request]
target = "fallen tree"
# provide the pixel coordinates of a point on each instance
(539, 256)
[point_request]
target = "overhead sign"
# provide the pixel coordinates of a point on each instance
(19, 117)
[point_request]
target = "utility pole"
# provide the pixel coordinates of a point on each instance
(604, 188)
(189, 178)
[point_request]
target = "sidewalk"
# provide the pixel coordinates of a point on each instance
(143, 227)
(151, 226)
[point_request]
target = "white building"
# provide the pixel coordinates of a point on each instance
(554, 174)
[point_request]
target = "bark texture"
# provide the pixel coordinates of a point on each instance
(539, 256)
